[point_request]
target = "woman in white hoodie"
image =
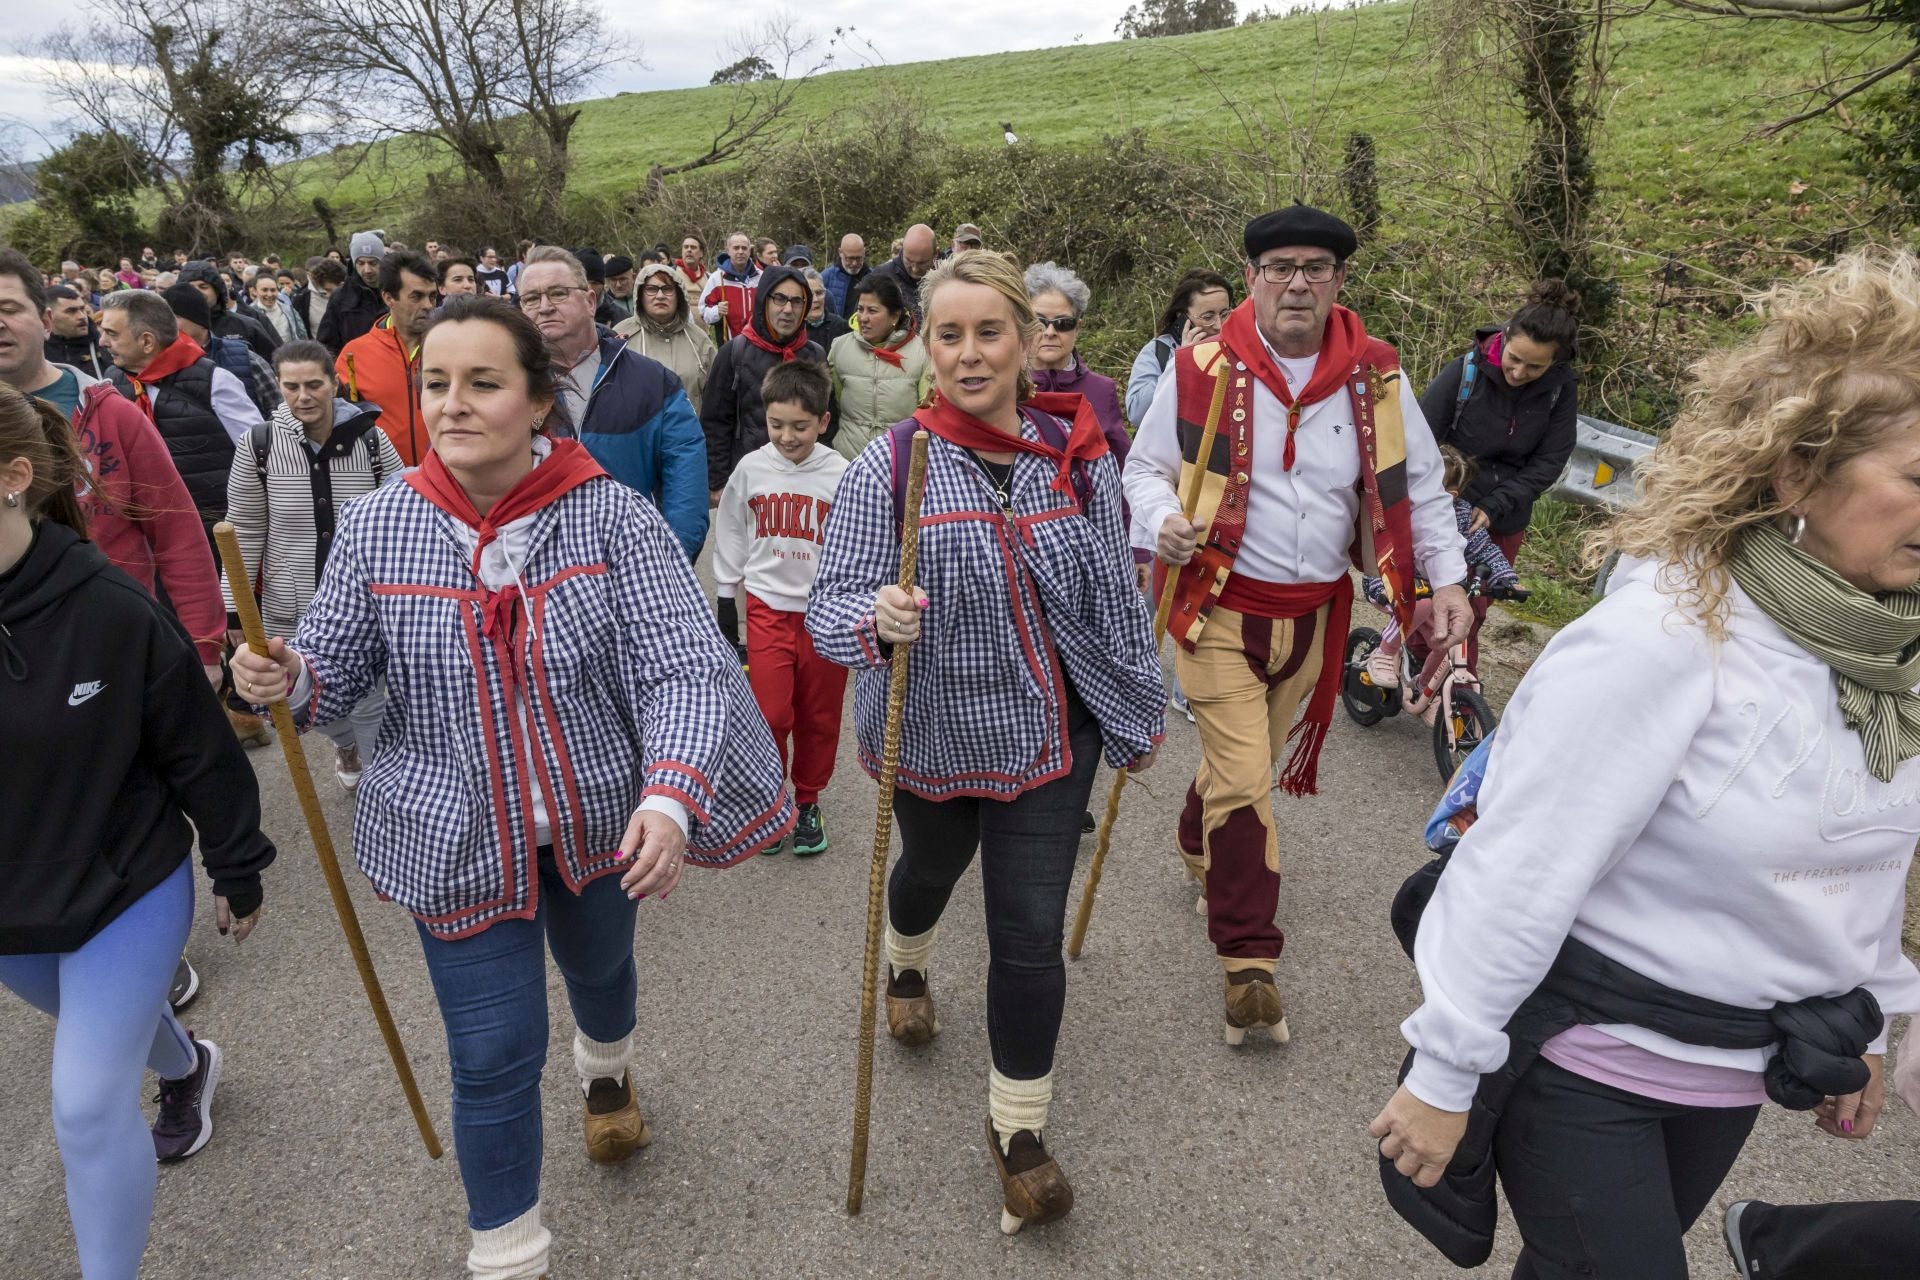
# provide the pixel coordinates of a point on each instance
(1707, 784)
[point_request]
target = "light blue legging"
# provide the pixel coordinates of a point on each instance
(110, 998)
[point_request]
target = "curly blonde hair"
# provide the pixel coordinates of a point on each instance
(1832, 373)
(998, 272)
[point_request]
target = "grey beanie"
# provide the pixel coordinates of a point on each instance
(367, 244)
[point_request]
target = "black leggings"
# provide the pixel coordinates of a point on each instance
(1604, 1183)
(1027, 848)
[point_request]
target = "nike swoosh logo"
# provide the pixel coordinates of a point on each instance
(81, 692)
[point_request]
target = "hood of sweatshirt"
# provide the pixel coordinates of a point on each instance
(346, 415)
(58, 562)
(770, 279)
(822, 457)
(680, 312)
(1067, 379)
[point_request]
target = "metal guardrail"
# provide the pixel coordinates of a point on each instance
(1600, 472)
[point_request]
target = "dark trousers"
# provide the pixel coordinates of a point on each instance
(1603, 1183)
(1874, 1241)
(1027, 847)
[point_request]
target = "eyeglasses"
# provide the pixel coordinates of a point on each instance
(556, 296)
(1213, 318)
(785, 301)
(1061, 324)
(1280, 271)
(660, 290)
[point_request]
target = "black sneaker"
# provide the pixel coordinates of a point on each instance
(1087, 825)
(185, 1121)
(186, 985)
(809, 832)
(1731, 1227)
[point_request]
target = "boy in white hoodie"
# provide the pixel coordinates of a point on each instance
(771, 523)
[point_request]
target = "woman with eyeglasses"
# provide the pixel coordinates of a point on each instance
(1200, 304)
(1060, 299)
(664, 329)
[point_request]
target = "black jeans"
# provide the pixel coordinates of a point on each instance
(1604, 1183)
(1871, 1241)
(1027, 847)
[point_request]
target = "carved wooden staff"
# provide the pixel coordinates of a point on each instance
(1189, 503)
(296, 756)
(883, 828)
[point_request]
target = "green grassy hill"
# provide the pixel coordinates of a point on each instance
(1676, 158)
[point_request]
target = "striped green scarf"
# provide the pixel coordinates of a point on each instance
(1872, 642)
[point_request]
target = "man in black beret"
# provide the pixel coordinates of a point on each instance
(1317, 438)
(617, 297)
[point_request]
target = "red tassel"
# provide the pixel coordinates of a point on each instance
(1302, 774)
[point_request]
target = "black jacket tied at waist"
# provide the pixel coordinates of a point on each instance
(1821, 1041)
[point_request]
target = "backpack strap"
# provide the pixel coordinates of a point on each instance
(1468, 371)
(900, 438)
(260, 439)
(1163, 351)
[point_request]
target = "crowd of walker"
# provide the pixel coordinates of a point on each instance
(469, 496)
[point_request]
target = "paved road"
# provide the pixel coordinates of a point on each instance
(1187, 1158)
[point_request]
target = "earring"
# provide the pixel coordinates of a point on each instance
(13, 499)
(1796, 528)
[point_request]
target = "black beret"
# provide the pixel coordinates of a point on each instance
(594, 264)
(188, 303)
(618, 265)
(1301, 224)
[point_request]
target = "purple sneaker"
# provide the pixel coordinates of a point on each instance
(185, 1121)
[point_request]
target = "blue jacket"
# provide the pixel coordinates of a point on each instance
(641, 427)
(839, 284)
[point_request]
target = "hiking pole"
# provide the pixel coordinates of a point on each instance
(296, 756)
(883, 828)
(1189, 502)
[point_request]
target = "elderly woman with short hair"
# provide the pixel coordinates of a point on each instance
(1060, 301)
(1682, 896)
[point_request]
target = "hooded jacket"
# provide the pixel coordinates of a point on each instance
(1520, 436)
(872, 393)
(227, 321)
(83, 353)
(732, 412)
(285, 519)
(379, 369)
(351, 311)
(114, 744)
(141, 516)
(641, 427)
(683, 346)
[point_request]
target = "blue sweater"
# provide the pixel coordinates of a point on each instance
(641, 427)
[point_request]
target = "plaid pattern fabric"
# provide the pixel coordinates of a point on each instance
(1010, 605)
(622, 688)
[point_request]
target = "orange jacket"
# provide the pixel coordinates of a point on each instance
(377, 367)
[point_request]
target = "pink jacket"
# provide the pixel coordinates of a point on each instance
(141, 516)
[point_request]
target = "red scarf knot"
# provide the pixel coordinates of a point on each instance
(1339, 348)
(566, 468)
(1085, 440)
(891, 354)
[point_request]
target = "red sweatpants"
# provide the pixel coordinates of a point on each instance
(799, 692)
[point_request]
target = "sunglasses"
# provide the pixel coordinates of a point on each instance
(1061, 324)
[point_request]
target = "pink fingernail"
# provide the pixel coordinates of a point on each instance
(1846, 1126)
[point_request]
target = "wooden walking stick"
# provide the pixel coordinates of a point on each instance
(256, 633)
(883, 829)
(1189, 502)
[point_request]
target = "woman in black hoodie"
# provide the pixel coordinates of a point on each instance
(114, 744)
(1511, 404)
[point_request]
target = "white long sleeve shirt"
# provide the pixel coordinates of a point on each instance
(1696, 811)
(771, 523)
(1300, 523)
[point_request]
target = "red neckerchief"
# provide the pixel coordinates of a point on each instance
(1338, 349)
(787, 350)
(891, 355)
(566, 468)
(687, 271)
(1085, 441)
(180, 355)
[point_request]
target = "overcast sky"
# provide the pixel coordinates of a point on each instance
(683, 41)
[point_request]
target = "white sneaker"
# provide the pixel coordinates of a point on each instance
(346, 766)
(1383, 669)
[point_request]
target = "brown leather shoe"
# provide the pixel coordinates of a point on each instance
(1033, 1190)
(251, 730)
(910, 1016)
(615, 1128)
(1253, 1003)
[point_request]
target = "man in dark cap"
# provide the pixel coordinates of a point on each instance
(596, 267)
(1318, 437)
(617, 297)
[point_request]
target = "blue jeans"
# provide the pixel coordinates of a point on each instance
(110, 998)
(492, 989)
(1027, 848)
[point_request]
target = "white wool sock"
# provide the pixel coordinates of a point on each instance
(1017, 1104)
(910, 953)
(596, 1061)
(517, 1251)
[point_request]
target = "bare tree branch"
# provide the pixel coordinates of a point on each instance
(1831, 12)
(757, 115)
(1833, 99)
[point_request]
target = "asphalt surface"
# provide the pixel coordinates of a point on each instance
(1188, 1158)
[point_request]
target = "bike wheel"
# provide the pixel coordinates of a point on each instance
(1472, 722)
(1363, 702)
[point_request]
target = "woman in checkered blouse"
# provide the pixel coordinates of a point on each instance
(564, 727)
(1033, 658)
